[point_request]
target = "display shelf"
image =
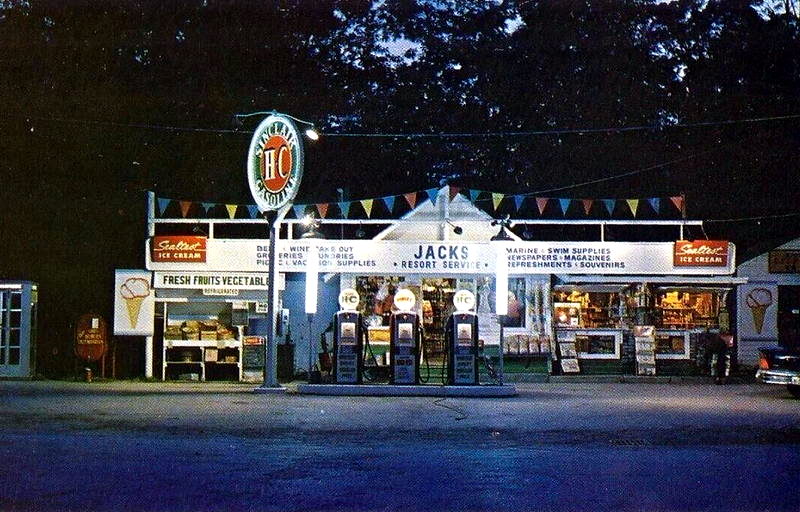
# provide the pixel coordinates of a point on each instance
(227, 343)
(205, 355)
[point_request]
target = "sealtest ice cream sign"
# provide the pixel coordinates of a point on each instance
(275, 163)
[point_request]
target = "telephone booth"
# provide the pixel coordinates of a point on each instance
(18, 303)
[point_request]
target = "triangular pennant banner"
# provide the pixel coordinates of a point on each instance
(610, 204)
(345, 208)
(208, 206)
(497, 199)
(541, 204)
(678, 202)
(185, 205)
(655, 203)
(633, 204)
(231, 210)
(322, 208)
(389, 202)
(162, 205)
(432, 193)
(518, 200)
(299, 211)
(411, 197)
(453, 191)
(564, 205)
(367, 204)
(587, 205)
(473, 195)
(253, 210)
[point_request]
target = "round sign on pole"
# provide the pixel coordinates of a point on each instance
(91, 337)
(464, 300)
(404, 300)
(349, 299)
(275, 162)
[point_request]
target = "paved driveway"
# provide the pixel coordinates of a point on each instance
(142, 446)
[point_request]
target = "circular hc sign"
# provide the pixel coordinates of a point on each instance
(349, 299)
(464, 300)
(275, 163)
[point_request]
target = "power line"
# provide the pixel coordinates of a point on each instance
(628, 173)
(438, 135)
(570, 131)
(143, 126)
(760, 217)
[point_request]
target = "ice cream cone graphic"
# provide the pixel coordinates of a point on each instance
(134, 290)
(758, 300)
(134, 305)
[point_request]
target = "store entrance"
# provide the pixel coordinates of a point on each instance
(437, 305)
(789, 316)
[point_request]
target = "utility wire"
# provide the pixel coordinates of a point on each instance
(760, 217)
(629, 173)
(438, 135)
(134, 125)
(570, 131)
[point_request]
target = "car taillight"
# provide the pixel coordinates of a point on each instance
(763, 364)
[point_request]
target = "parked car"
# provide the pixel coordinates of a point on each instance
(780, 365)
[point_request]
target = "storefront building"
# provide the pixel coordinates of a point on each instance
(573, 306)
(769, 304)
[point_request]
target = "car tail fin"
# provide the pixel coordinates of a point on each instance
(763, 362)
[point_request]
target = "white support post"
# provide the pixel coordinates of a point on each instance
(148, 357)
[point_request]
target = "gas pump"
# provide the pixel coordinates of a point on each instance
(461, 341)
(405, 335)
(348, 340)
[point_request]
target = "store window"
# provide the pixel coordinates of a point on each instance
(589, 307)
(672, 345)
(377, 297)
(595, 344)
(687, 308)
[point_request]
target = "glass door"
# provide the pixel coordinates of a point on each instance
(11, 333)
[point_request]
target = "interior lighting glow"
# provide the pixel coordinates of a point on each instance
(312, 278)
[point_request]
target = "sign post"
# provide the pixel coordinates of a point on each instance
(274, 172)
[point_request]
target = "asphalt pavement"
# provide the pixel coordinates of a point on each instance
(556, 446)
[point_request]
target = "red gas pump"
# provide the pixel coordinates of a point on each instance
(461, 341)
(348, 340)
(405, 336)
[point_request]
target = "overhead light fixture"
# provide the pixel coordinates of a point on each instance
(456, 229)
(527, 234)
(313, 228)
(360, 233)
(312, 134)
(502, 235)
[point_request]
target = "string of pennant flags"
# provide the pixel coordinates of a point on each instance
(490, 201)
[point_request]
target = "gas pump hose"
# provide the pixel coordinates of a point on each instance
(369, 377)
(421, 343)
